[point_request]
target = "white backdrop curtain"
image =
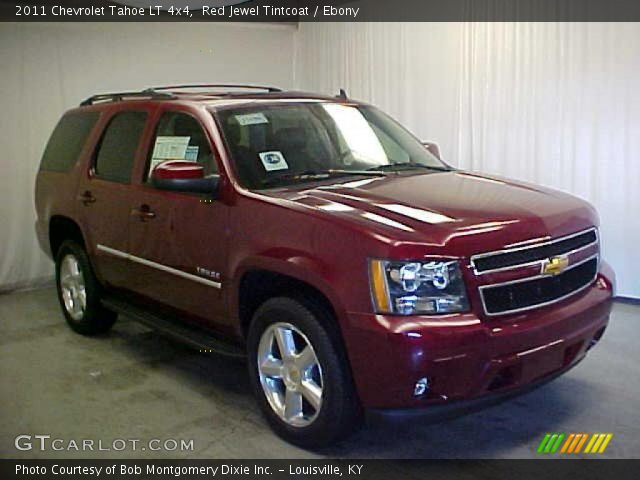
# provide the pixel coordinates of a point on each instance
(48, 68)
(552, 103)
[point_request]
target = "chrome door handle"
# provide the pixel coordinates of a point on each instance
(86, 198)
(143, 213)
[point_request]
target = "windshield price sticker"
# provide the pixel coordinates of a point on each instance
(252, 119)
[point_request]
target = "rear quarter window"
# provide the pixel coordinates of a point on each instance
(67, 140)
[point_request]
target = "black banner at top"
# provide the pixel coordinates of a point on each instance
(320, 10)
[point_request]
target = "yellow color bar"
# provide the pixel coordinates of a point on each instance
(596, 445)
(606, 441)
(591, 442)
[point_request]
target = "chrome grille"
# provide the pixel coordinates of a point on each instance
(538, 291)
(543, 288)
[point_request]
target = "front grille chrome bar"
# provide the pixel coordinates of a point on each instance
(537, 257)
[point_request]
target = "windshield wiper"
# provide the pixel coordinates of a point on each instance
(319, 175)
(358, 172)
(408, 166)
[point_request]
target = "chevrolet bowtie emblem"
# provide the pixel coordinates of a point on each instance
(555, 265)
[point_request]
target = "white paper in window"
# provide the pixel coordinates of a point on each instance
(191, 154)
(252, 118)
(168, 148)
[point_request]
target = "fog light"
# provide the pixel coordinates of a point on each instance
(421, 387)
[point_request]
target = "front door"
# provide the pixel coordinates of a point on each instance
(177, 240)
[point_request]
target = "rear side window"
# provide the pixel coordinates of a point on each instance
(117, 149)
(67, 141)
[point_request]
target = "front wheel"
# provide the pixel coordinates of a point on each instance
(301, 380)
(79, 292)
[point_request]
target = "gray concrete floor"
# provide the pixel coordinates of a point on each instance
(134, 384)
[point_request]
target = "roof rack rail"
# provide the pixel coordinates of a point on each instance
(119, 96)
(217, 85)
(158, 93)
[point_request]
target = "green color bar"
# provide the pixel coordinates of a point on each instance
(544, 443)
(555, 448)
(550, 443)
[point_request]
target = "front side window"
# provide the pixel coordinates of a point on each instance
(117, 150)
(180, 137)
(279, 145)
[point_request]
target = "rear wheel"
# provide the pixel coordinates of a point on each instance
(300, 377)
(79, 292)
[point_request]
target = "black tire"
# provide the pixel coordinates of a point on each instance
(340, 412)
(93, 319)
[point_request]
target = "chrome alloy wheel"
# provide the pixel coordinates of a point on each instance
(72, 287)
(290, 374)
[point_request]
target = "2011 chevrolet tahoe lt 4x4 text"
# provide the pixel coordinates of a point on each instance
(316, 236)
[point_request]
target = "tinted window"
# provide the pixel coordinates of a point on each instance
(277, 145)
(180, 137)
(117, 149)
(67, 141)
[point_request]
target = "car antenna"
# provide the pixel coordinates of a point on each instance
(342, 94)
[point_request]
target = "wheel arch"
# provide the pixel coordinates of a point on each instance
(258, 284)
(63, 228)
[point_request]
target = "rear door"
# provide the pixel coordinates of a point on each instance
(105, 193)
(177, 240)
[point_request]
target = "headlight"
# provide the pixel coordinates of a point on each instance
(420, 287)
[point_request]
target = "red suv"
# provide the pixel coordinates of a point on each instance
(317, 237)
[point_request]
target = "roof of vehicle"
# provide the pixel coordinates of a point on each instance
(216, 95)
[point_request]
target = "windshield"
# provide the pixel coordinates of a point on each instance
(280, 145)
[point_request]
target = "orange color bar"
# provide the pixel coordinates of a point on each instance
(575, 442)
(584, 439)
(567, 442)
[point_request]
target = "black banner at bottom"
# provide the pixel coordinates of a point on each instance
(547, 469)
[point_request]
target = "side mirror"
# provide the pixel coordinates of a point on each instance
(182, 176)
(433, 149)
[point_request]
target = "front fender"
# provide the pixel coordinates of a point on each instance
(295, 264)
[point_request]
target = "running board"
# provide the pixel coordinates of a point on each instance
(193, 336)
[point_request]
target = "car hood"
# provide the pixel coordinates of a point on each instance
(466, 213)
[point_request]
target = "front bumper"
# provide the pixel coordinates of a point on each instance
(466, 356)
(440, 411)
